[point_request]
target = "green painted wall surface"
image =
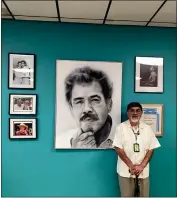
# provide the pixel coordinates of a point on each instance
(35, 168)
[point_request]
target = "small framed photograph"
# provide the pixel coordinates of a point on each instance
(153, 116)
(22, 104)
(149, 74)
(22, 128)
(21, 71)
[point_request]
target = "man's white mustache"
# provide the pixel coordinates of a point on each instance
(135, 117)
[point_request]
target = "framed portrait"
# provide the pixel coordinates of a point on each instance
(153, 116)
(149, 74)
(88, 103)
(22, 128)
(21, 72)
(22, 104)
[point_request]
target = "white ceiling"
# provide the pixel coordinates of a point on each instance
(93, 11)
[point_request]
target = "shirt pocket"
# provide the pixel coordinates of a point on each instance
(127, 142)
(145, 141)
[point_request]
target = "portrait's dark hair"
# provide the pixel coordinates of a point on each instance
(87, 75)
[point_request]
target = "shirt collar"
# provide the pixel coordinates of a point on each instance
(140, 124)
(108, 142)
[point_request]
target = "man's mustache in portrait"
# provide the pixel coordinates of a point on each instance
(88, 116)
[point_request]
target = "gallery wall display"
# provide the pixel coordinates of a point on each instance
(149, 74)
(153, 116)
(22, 128)
(88, 103)
(21, 72)
(22, 104)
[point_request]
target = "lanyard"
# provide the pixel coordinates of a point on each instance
(136, 134)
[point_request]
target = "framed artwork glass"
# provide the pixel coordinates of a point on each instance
(21, 71)
(22, 128)
(22, 104)
(149, 74)
(153, 116)
(83, 119)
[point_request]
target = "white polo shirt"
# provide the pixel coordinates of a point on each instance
(125, 138)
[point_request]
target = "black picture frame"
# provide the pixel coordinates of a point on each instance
(22, 110)
(15, 122)
(20, 79)
(149, 74)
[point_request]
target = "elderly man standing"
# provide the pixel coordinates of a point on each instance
(134, 142)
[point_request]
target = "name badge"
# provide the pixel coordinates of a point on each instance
(136, 147)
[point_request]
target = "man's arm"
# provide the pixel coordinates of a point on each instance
(146, 160)
(124, 158)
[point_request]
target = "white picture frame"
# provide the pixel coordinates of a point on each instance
(153, 116)
(22, 128)
(68, 123)
(22, 104)
(149, 74)
(21, 72)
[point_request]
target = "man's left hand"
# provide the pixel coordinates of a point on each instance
(138, 169)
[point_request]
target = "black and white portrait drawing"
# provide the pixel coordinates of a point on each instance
(22, 128)
(21, 71)
(22, 104)
(149, 74)
(88, 104)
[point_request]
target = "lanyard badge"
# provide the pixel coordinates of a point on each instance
(136, 146)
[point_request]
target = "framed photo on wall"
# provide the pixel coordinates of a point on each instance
(22, 104)
(153, 116)
(149, 74)
(88, 103)
(22, 128)
(21, 71)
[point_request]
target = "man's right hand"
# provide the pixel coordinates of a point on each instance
(84, 140)
(132, 169)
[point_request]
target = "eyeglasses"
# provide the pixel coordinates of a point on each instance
(135, 111)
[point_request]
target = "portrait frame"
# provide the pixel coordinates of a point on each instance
(18, 76)
(153, 115)
(149, 74)
(68, 124)
(14, 128)
(31, 100)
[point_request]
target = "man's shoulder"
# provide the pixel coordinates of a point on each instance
(123, 124)
(144, 125)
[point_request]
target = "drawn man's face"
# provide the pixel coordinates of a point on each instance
(89, 107)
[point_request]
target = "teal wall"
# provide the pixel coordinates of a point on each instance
(35, 168)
